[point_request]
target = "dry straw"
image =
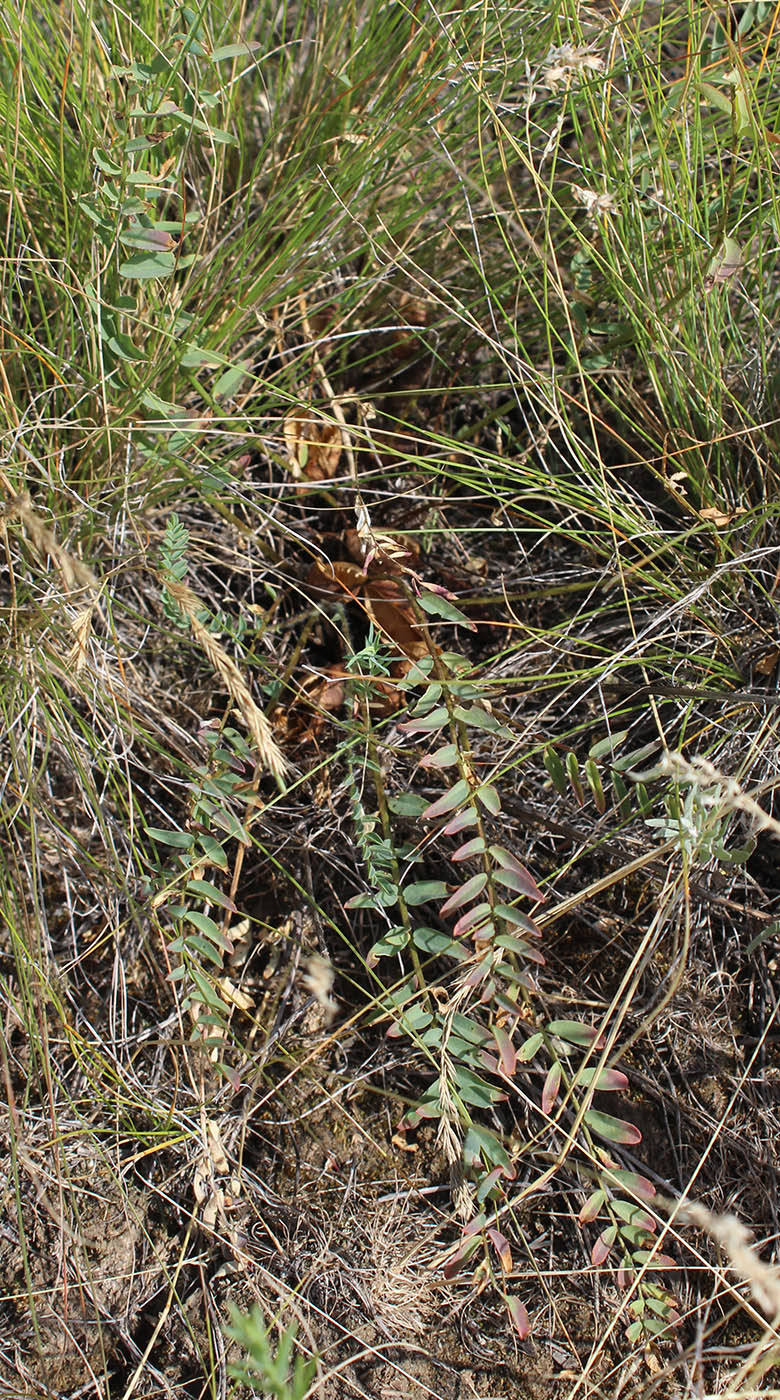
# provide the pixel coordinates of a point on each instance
(75, 574)
(268, 751)
(77, 577)
(736, 1241)
(726, 790)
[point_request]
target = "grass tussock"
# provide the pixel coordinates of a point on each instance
(388, 575)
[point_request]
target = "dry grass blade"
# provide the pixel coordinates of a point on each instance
(724, 791)
(75, 574)
(268, 752)
(738, 1243)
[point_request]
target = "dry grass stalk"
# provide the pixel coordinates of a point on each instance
(318, 979)
(268, 751)
(81, 625)
(729, 793)
(736, 1240)
(75, 574)
(77, 577)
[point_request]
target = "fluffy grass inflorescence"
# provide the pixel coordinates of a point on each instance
(388, 679)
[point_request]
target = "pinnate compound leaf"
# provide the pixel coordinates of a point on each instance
(449, 801)
(552, 1085)
(518, 1314)
(603, 1245)
(613, 1129)
(423, 891)
(467, 892)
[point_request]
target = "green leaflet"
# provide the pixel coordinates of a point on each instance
(436, 606)
(424, 890)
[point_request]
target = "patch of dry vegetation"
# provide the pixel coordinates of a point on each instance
(388, 835)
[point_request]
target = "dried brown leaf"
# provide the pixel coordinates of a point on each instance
(314, 445)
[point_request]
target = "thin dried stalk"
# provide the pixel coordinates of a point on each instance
(737, 1242)
(81, 626)
(77, 577)
(75, 574)
(703, 774)
(266, 747)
